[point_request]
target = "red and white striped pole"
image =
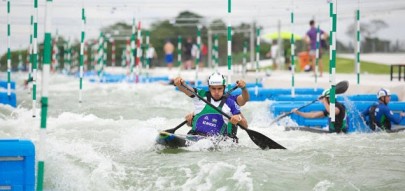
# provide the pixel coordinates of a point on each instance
(128, 55)
(138, 52)
(54, 49)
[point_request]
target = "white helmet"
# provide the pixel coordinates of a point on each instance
(216, 79)
(383, 92)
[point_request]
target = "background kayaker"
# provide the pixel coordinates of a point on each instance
(340, 113)
(379, 114)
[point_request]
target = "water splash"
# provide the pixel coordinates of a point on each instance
(356, 122)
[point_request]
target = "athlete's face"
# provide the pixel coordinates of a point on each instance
(217, 91)
(387, 99)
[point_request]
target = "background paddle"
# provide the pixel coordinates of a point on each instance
(184, 122)
(341, 87)
(259, 139)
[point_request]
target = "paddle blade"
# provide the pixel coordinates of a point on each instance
(342, 87)
(177, 127)
(262, 141)
(170, 131)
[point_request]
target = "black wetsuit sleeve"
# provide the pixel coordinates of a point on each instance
(325, 113)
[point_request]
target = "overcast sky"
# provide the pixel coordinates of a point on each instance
(67, 15)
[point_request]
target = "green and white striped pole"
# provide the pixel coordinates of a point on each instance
(229, 51)
(8, 50)
(123, 57)
(100, 56)
(35, 59)
(358, 43)
(332, 70)
(132, 54)
(147, 33)
(44, 99)
(20, 61)
(179, 50)
(229, 45)
(30, 47)
(244, 60)
(82, 37)
(257, 60)
(197, 57)
(69, 55)
(292, 52)
(105, 40)
(318, 34)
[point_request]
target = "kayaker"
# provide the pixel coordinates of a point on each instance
(379, 114)
(207, 121)
(340, 113)
(240, 99)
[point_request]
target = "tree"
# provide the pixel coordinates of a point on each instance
(368, 30)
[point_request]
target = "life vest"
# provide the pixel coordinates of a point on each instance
(371, 113)
(340, 120)
(384, 123)
(210, 122)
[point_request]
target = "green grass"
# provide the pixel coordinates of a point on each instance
(344, 65)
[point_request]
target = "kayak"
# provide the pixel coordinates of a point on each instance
(176, 140)
(394, 129)
(309, 129)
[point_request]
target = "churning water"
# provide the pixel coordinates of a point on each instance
(108, 143)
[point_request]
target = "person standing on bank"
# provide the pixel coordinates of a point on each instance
(310, 39)
(168, 48)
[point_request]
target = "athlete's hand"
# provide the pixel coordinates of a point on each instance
(189, 118)
(235, 119)
(178, 81)
(402, 114)
(241, 84)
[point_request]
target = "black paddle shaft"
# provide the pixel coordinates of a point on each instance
(259, 139)
(341, 87)
(185, 121)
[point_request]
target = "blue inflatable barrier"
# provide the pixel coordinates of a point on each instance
(364, 97)
(117, 78)
(17, 164)
(8, 100)
(3, 84)
(151, 79)
(340, 98)
(272, 93)
(248, 85)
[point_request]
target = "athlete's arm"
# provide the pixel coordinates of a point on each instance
(178, 81)
(313, 114)
(244, 97)
(390, 115)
